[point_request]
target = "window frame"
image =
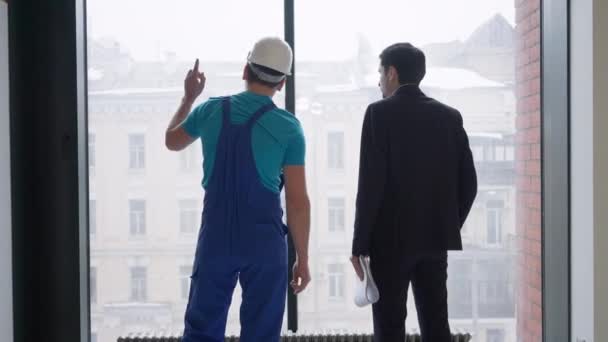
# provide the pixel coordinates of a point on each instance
(63, 151)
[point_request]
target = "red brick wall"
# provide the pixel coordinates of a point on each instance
(528, 165)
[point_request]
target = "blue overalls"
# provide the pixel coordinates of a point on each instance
(242, 237)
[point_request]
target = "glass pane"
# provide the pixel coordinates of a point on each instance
(137, 151)
(91, 152)
(483, 62)
(92, 217)
(149, 200)
(336, 214)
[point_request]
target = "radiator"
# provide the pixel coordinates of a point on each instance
(294, 338)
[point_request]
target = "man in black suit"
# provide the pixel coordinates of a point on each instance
(417, 183)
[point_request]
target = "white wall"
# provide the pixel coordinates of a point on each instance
(589, 147)
(6, 295)
(600, 135)
(582, 169)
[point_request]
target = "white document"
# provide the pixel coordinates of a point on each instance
(366, 292)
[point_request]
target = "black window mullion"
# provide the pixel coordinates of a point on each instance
(290, 105)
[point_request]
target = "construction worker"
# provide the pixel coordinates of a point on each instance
(250, 146)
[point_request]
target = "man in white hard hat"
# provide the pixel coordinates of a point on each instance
(251, 148)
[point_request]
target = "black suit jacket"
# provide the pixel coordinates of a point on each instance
(417, 179)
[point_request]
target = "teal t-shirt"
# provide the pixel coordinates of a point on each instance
(277, 138)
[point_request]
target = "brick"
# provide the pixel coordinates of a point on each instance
(534, 295)
(534, 53)
(535, 151)
(520, 168)
(536, 185)
(528, 169)
(533, 168)
(524, 26)
(522, 59)
(535, 101)
(534, 232)
(535, 84)
(523, 183)
(535, 280)
(534, 4)
(535, 18)
(533, 201)
(535, 323)
(535, 119)
(534, 248)
(533, 136)
(523, 153)
(533, 70)
(535, 217)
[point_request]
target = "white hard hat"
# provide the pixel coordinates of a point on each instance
(273, 53)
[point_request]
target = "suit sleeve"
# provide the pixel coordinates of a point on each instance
(467, 186)
(373, 169)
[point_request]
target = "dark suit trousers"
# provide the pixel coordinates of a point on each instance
(428, 276)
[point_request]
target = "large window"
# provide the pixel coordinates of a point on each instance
(471, 65)
(152, 198)
(484, 62)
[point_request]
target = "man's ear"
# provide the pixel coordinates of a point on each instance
(392, 74)
(245, 73)
(281, 85)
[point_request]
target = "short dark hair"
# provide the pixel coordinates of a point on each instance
(254, 78)
(408, 60)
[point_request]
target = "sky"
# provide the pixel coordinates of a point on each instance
(225, 30)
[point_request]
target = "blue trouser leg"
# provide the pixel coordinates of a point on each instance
(210, 296)
(264, 290)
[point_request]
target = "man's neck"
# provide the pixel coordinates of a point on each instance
(402, 86)
(261, 90)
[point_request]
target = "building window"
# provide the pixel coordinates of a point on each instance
(336, 281)
(494, 216)
(139, 284)
(137, 152)
(488, 153)
(335, 150)
(93, 284)
(510, 153)
(493, 292)
(499, 153)
(336, 214)
(495, 335)
(188, 216)
(92, 217)
(137, 217)
(184, 276)
(189, 158)
(92, 156)
(93, 337)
